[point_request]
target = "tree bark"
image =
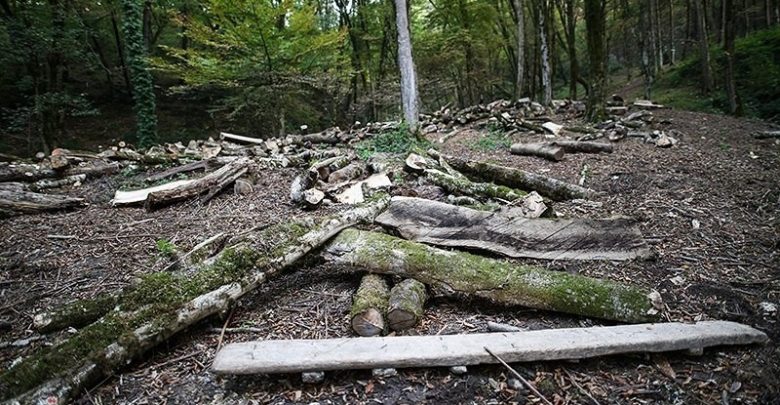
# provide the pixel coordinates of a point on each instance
(729, 50)
(596, 23)
(15, 202)
(406, 305)
(516, 178)
(542, 150)
(369, 306)
(441, 224)
(520, 47)
(459, 273)
(583, 146)
(704, 47)
(544, 52)
(409, 97)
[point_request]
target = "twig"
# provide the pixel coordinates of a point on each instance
(197, 247)
(222, 334)
(519, 377)
(582, 390)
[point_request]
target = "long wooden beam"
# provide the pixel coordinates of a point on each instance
(293, 356)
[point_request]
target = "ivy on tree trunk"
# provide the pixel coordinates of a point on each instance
(140, 76)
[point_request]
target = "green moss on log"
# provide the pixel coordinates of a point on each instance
(497, 280)
(372, 293)
(406, 304)
(153, 300)
(76, 314)
(463, 185)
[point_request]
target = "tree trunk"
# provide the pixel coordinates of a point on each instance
(140, 75)
(459, 273)
(459, 184)
(409, 97)
(729, 49)
(369, 305)
(544, 52)
(596, 23)
(646, 45)
(520, 45)
(704, 47)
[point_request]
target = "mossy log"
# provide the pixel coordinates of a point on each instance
(407, 302)
(76, 314)
(208, 185)
(459, 184)
(163, 304)
(517, 178)
(369, 304)
(14, 202)
(583, 146)
(500, 281)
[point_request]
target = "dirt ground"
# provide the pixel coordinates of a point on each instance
(710, 207)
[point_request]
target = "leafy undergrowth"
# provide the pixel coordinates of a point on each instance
(398, 141)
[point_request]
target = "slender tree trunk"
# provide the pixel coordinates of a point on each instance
(646, 50)
(731, 89)
(672, 45)
(595, 21)
(544, 51)
(409, 96)
(121, 53)
(572, 46)
(520, 45)
(704, 50)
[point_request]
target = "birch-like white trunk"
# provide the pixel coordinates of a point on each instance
(545, 53)
(409, 97)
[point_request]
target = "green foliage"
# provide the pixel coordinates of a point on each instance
(494, 139)
(398, 141)
(140, 76)
(757, 74)
(165, 247)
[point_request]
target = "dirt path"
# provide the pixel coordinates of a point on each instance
(710, 207)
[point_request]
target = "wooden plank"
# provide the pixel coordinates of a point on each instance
(293, 356)
(441, 224)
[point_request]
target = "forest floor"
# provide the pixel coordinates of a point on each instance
(709, 206)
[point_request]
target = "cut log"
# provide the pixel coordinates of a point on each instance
(448, 225)
(542, 150)
(313, 197)
(31, 172)
(583, 147)
(43, 184)
(406, 305)
(322, 170)
(122, 198)
(206, 164)
(647, 104)
(355, 194)
(241, 138)
(552, 128)
(208, 185)
(369, 305)
(345, 174)
(293, 356)
(164, 304)
(460, 273)
(14, 202)
(416, 163)
(459, 184)
(516, 178)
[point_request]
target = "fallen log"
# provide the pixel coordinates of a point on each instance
(76, 314)
(369, 305)
(32, 172)
(345, 174)
(191, 167)
(542, 150)
(583, 146)
(241, 138)
(294, 356)
(43, 184)
(163, 304)
(441, 224)
(516, 178)
(130, 197)
(406, 304)
(14, 202)
(767, 135)
(208, 185)
(459, 273)
(462, 185)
